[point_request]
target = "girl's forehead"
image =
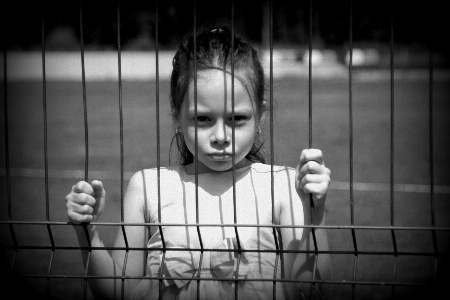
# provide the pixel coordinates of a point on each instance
(214, 89)
(219, 80)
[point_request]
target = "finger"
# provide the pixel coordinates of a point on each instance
(99, 191)
(78, 219)
(311, 155)
(83, 209)
(311, 179)
(312, 167)
(317, 190)
(81, 199)
(99, 196)
(83, 187)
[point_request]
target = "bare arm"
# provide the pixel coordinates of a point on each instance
(311, 178)
(85, 204)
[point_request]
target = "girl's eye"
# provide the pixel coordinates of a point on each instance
(238, 119)
(202, 119)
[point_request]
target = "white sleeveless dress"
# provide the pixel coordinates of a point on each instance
(258, 259)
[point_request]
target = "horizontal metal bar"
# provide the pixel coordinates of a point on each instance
(333, 227)
(398, 253)
(341, 282)
(334, 185)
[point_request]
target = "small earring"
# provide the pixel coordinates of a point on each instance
(177, 131)
(259, 130)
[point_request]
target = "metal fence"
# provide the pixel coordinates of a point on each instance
(356, 253)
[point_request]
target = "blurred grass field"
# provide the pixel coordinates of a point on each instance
(371, 123)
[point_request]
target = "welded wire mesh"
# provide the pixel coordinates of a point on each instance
(357, 253)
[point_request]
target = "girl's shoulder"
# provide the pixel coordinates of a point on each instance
(150, 177)
(172, 172)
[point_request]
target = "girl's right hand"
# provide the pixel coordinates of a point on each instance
(86, 202)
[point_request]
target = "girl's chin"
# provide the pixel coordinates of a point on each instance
(224, 165)
(216, 166)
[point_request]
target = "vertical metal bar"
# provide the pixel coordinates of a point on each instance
(310, 97)
(395, 274)
(44, 109)
(272, 148)
(86, 272)
(197, 218)
(119, 66)
(195, 114)
(83, 78)
(310, 132)
(233, 150)
(5, 107)
(272, 144)
(158, 143)
(158, 130)
(350, 113)
(392, 119)
(7, 168)
(86, 139)
(48, 274)
(355, 268)
(233, 146)
(160, 283)
(161, 288)
(275, 273)
(394, 241)
(122, 294)
(15, 249)
(310, 79)
(431, 141)
(392, 147)
(53, 252)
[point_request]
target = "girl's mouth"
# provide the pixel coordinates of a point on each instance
(220, 157)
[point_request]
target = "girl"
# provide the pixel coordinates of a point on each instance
(251, 254)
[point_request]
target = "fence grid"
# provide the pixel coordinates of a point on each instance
(356, 252)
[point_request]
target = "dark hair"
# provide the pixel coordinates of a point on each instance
(213, 51)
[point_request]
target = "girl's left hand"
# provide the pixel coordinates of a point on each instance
(312, 175)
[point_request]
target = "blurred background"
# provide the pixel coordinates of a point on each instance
(417, 27)
(419, 30)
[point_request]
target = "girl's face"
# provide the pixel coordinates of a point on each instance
(214, 122)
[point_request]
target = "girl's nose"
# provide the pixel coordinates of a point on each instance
(220, 134)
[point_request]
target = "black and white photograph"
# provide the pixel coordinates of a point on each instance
(251, 150)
